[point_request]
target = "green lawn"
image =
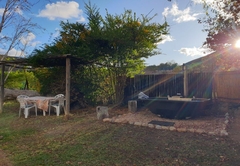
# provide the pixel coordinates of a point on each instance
(83, 140)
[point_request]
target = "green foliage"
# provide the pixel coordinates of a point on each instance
(18, 80)
(94, 83)
(52, 80)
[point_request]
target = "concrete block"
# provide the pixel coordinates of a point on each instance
(102, 112)
(132, 105)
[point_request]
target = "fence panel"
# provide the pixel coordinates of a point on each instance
(200, 84)
(162, 85)
(227, 86)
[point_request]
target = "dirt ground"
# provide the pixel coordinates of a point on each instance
(4, 161)
(205, 124)
(234, 127)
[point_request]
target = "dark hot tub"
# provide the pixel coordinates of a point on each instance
(175, 107)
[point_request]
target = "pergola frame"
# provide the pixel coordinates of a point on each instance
(63, 60)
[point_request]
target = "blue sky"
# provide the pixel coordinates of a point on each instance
(183, 44)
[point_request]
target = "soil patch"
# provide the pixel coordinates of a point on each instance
(4, 161)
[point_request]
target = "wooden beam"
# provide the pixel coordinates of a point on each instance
(68, 67)
(2, 89)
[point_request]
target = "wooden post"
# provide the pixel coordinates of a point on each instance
(68, 67)
(2, 89)
(185, 80)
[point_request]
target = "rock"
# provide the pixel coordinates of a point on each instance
(124, 122)
(199, 131)
(223, 133)
(150, 125)
(11, 94)
(158, 127)
(137, 123)
(144, 124)
(130, 122)
(172, 128)
(165, 128)
(113, 120)
(191, 130)
(181, 129)
(211, 133)
(117, 121)
(107, 120)
(226, 121)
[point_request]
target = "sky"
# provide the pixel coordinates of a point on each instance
(183, 44)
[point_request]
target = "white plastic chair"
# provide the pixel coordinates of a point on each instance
(57, 103)
(25, 105)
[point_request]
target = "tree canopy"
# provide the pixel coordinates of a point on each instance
(222, 23)
(168, 66)
(116, 38)
(111, 48)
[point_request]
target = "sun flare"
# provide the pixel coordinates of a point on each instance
(237, 44)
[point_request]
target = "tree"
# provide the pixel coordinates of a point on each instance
(222, 23)
(14, 26)
(12, 18)
(162, 67)
(112, 47)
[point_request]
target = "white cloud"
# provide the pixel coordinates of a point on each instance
(17, 10)
(56, 33)
(201, 51)
(25, 40)
(166, 38)
(12, 52)
(29, 40)
(215, 5)
(203, 1)
(1, 11)
(62, 10)
(179, 15)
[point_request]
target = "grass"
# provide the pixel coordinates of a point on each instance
(83, 140)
